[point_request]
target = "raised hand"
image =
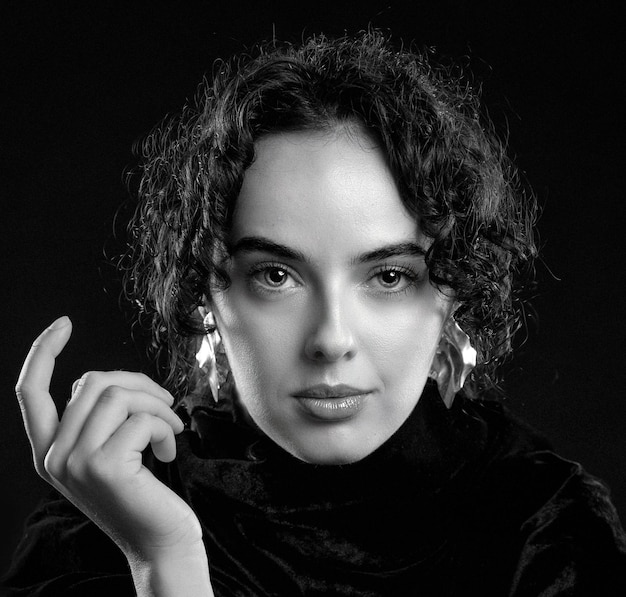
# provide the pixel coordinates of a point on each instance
(93, 456)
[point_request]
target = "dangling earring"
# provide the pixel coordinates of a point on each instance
(206, 355)
(454, 359)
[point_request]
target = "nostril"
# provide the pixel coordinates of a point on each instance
(330, 353)
(330, 338)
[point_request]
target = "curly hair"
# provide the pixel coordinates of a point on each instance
(450, 168)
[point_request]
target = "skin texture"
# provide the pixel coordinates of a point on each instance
(331, 313)
(93, 457)
(329, 286)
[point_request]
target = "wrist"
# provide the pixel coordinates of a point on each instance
(173, 573)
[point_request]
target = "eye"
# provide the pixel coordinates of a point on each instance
(270, 278)
(275, 276)
(392, 279)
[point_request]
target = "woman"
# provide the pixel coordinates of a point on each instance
(324, 247)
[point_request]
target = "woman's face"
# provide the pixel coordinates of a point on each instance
(330, 323)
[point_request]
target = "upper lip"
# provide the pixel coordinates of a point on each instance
(328, 391)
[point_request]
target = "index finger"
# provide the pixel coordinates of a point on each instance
(33, 387)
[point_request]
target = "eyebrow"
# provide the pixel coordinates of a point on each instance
(408, 248)
(251, 244)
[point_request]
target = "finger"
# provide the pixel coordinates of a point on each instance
(88, 391)
(97, 381)
(134, 436)
(114, 407)
(33, 388)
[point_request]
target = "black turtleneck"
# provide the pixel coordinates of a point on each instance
(457, 502)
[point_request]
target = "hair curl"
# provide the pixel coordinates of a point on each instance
(450, 168)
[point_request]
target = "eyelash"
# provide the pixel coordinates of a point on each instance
(265, 267)
(412, 278)
(410, 274)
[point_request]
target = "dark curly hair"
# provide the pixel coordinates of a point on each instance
(451, 171)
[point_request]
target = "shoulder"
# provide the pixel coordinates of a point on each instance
(575, 535)
(519, 466)
(558, 520)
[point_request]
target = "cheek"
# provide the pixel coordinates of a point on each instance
(258, 346)
(407, 339)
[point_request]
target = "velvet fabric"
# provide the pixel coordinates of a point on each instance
(458, 502)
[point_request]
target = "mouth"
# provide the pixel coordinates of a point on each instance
(331, 403)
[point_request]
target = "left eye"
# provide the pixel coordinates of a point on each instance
(390, 278)
(275, 276)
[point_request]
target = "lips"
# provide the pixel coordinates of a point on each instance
(328, 391)
(332, 402)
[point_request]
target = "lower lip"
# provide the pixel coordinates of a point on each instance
(333, 409)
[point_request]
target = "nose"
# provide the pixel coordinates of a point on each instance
(331, 335)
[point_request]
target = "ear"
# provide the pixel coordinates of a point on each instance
(453, 308)
(204, 308)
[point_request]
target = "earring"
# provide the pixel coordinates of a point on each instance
(454, 359)
(206, 355)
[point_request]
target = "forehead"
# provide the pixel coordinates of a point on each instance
(307, 188)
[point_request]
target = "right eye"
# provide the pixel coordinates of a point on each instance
(272, 277)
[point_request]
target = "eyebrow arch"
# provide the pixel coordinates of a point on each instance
(251, 244)
(408, 248)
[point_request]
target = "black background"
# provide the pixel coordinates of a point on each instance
(83, 81)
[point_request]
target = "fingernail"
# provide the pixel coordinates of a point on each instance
(61, 322)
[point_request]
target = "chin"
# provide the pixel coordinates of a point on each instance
(329, 451)
(327, 458)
